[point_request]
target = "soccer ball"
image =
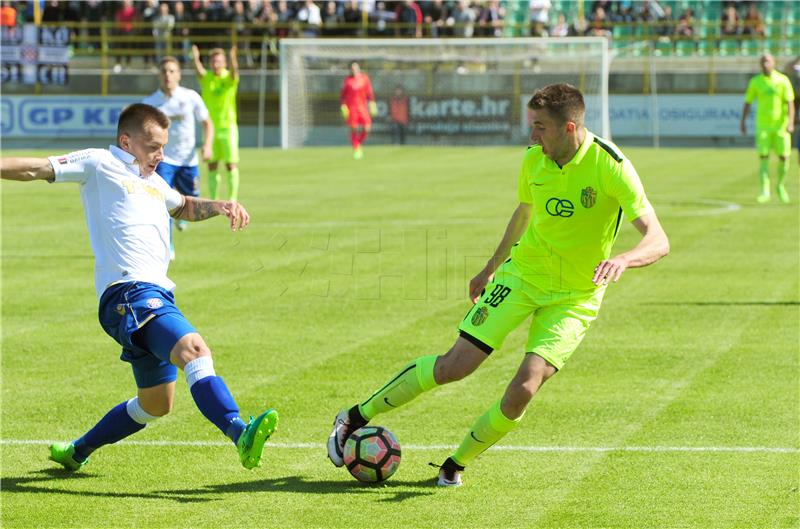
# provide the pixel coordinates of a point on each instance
(372, 454)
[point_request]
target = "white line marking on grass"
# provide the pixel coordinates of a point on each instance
(719, 207)
(503, 448)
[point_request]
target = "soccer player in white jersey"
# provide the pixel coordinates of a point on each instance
(127, 207)
(184, 108)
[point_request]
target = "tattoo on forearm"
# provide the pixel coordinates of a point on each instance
(196, 209)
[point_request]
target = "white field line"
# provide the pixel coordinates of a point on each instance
(502, 448)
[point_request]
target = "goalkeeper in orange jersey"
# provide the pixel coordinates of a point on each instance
(358, 107)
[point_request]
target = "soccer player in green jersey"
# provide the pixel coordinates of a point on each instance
(774, 98)
(554, 262)
(218, 88)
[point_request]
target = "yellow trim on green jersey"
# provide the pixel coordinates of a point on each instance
(576, 213)
(772, 94)
(219, 95)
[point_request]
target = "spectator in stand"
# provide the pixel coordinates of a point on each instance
(685, 27)
(147, 17)
(579, 26)
(380, 19)
(560, 29)
(409, 19)
(93, 12)
(332, 20)
(491, 18)
(435, 17)
(51, 12)
(163, 24)
(311, 17)
(753, 25)
(398, 115)
(730, 24)
(666, 24)
(539, 15)
(181, 32)
(8, 15)
(599, 26)
(124, 18)
(285, 18)
(242, 19)
(352, 18)
(463, 19)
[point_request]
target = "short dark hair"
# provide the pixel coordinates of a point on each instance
(562, 100)
(134, 118)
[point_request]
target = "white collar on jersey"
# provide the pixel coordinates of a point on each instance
(125, 157)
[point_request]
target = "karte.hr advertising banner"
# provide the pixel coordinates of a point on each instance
(61, 116)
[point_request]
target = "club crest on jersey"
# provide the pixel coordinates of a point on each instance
(120, 309)
(480, 316)
(588, 197)
(155, 303)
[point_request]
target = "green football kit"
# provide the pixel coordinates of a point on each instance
(576, 214)
(219, 95)
(772, 93)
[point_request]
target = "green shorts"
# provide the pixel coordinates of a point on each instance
(779, 141)
(560, 319)
(226, 146)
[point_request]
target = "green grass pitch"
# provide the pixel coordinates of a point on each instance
(680, 409)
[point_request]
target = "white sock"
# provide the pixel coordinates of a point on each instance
(198, 369)
(137, 413)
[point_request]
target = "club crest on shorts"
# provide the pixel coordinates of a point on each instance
(588, 197)
(155, 303)
(480, 316)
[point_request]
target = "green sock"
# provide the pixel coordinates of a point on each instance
(783, 168)
(763, 175)
(213, 183)
(233, 183)
(414, 379)
(487, 430)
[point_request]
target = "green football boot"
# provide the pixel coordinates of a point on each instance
(62, 453)
(251, 442)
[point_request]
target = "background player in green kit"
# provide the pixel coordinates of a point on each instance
(573, 191)
(218, 88)
(772, 91)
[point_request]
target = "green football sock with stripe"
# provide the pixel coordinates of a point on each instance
(233, 183)
(783, 169)
(763, 175)
(213, 183)
(413, 380)
(487, 430)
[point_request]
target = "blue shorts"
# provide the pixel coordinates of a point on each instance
(143, 319)
(184, 178)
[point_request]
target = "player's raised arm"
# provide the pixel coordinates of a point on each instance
(198, 64)
(196, 209)
(653, 246)
(234, 64)
(26, 169)
(516, 227)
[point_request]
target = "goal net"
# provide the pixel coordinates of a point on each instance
(458, 91)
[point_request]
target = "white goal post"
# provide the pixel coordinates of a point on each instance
(460, 91)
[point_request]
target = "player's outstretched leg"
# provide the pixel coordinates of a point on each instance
(123, 420)
(417, 377)
(215, 402)
(493, 425)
